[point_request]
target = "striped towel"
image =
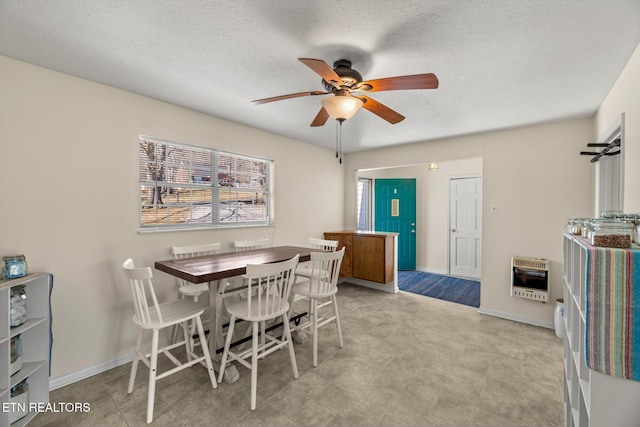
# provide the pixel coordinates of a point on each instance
(612, 334)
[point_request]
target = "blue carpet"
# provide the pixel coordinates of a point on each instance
(461, 291)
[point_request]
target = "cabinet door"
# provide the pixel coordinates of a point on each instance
(370, 258)
(344, 241)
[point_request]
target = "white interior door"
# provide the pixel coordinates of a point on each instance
(465, 227)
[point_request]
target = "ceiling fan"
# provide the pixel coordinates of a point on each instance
(342, 81)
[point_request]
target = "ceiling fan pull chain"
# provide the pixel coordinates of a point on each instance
(340, 141)
(337, 137)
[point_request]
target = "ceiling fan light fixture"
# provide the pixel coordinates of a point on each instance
(342, 107)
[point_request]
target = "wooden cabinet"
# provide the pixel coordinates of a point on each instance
(345, 240)
(373, 258)
(34, 338)
(368, 256)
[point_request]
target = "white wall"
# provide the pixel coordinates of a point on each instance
(432, 206)
(538, 180)
(69, 197)
(624, 98)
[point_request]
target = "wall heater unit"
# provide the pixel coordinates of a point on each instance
(530, 278)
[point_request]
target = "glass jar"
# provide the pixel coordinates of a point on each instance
(634, 219)
(18, 306)
(611, 214)
(16, 354)
(19, 399)
(14, 266)
(574, 226)
(611, 234)
(587, 226)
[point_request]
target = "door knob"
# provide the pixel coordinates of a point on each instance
(453, 230)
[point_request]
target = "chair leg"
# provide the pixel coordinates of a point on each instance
(263, 333)
(292, 355)
(187, 333)
(134, 365)
(254, 365)
(174, 335)
(192, 331)
(227, 346)
(337, 316)
(153, 367)
(205, 351)
(314, 303)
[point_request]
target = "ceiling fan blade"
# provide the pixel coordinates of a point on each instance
(291, 95)
(415, 81)
(321, 118)
(324, 70)
(381, 110)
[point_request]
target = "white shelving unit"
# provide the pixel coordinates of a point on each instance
(35, 345)
(591, 398)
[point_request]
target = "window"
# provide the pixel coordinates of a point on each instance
(364, 204)
(610, 171)
(177, 189)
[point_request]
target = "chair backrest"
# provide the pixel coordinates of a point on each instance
(325, 245)
(272, 284)
(245, 245)
(325, 269)
(141, 290)
(194, 250)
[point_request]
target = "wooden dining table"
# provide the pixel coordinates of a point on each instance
(214, 269)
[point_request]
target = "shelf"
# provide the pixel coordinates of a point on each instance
(28, 368)
(35, 338)
(30, 323)
(592, 399)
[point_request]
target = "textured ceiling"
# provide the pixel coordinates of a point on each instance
(501, 63)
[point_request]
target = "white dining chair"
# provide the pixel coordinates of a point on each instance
(233, 289)
(150, 315)
(320, 289)
(186, 288)
(323, 244)
(304, 268)
(272, 285)
(246, 245)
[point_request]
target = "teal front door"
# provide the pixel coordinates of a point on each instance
(395, 210)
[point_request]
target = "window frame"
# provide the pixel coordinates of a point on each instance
(216, 189)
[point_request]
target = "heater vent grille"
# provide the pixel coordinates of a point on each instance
(533, 263)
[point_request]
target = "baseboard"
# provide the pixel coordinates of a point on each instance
(73, 377)
(516, 318)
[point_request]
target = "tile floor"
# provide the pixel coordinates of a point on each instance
(408, 360)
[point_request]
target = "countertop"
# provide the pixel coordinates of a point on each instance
(364, 232)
